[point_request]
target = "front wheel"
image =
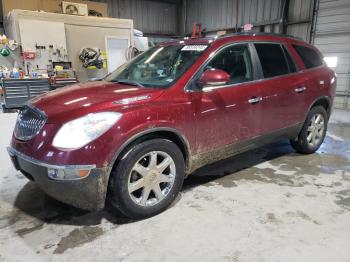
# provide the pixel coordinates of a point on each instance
(147, 178)
(313, 132)
(4, 109)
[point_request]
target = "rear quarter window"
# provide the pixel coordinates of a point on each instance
(309, 56)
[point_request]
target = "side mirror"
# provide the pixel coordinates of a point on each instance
(213, 77)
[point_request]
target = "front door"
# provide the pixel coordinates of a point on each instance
(229, 113)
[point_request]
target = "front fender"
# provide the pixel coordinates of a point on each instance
(159, 131)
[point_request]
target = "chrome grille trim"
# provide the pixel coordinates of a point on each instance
(29, 122)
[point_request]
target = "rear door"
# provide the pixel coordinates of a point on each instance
(229, 113)
(282, 88)
(318, 78)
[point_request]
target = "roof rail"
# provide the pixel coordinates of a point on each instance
(262, 34)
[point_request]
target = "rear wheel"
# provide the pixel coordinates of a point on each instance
(313, 132)
(147, 179)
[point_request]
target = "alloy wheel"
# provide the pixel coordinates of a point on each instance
(315, 130)
(151, 178)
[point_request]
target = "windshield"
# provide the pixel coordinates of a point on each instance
(159, 66)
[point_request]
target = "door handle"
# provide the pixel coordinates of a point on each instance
(254, 100)
(300, 89)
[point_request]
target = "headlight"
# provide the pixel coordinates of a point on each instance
(81, 131)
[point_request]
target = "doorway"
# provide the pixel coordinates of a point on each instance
(116, 48)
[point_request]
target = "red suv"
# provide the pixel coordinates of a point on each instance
(131, 138)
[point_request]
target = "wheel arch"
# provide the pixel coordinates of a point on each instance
(166, 133)
(324, 101)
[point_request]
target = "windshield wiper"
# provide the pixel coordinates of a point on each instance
(128, 82)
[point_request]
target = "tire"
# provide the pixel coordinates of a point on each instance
(131, 199)
(5, 109)
(307, 142)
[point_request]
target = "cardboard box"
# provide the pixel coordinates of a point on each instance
(51, 6)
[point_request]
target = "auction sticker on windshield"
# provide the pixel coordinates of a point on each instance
(198, 48)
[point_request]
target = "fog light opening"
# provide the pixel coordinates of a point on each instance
(67, 174)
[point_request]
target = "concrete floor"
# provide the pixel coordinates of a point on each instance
(269, 204)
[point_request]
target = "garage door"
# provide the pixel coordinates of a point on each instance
(332, 37)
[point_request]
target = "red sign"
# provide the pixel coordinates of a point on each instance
(247, 27)
(29, 55)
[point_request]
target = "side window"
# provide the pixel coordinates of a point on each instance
(272, 59)
(291, 64)
(236, 61)
(309, 56)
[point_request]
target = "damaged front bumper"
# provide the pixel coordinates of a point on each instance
(82, 186)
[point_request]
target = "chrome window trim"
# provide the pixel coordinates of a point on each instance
(210, 88)
(14, 152)
(211, 56)
(312, 68)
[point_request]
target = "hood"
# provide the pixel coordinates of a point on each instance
(77, 100)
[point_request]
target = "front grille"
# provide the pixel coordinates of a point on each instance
(29, 122)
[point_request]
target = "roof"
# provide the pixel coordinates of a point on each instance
(190, 41)
(262, 34)
(241, 36)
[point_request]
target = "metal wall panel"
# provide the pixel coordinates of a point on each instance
(332, 37)
(1, 14)
(177, 17)
(222, 14)
(300, 10)
(232, 14)
(149, 16)
(333, 17)
(300, 30)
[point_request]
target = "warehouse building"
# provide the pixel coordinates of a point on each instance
(175, 130)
